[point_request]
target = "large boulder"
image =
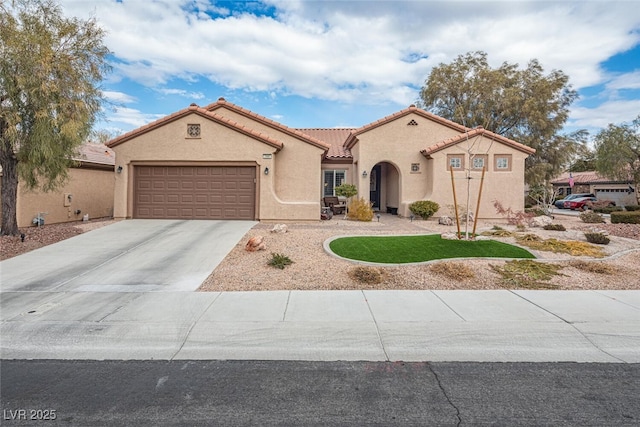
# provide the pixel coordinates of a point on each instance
(540, 221)
(280, 228)
(445, 220)
(255, 244)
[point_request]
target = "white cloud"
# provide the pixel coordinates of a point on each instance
(118, 97)
(357, 51)
(181, 92)
(132, 117)
(608, 112)
(625, 81)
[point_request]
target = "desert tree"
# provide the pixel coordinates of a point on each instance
(617, 149)
(51, 67)
(525, 105)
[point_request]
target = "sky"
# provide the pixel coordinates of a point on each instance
(326, 64)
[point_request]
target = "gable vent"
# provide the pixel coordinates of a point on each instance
(412, 123)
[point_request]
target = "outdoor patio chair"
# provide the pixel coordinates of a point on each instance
(334, 203)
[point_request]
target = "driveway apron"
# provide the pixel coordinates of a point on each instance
(127, 256)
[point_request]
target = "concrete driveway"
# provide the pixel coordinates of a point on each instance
(127, 256)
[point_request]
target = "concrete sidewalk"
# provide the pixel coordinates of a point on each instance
(536, 326)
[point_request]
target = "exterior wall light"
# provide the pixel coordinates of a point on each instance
(266, 171)
(364, 174)
(119, 170)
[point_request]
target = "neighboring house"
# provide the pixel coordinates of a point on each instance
(225, 162)
(592, 182)
(89, 191)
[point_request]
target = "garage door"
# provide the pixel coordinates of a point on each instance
(188, 192)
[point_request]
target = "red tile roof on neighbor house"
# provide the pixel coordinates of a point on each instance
(94, 153)
(588, 177)
(194, 109)
(335, 137)
(479, 131)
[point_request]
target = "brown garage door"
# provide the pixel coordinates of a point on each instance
(194, 192)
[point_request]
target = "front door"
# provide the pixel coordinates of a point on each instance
(374, 186)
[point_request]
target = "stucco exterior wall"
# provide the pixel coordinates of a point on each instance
(288, 192)
(398, 144)
(506, 186)
(91, 193)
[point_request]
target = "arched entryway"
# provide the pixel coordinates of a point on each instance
(384, 187)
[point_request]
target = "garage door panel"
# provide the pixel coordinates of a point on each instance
(188, 192)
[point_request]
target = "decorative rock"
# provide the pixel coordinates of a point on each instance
(255, 244)
(445, 220)
(468, 218)
(540, 221)
(449, 236)
(482, 238)
(280, 228)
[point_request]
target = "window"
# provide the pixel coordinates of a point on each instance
(503, 162)
(455, 161)
(332, 178)
(479, 161)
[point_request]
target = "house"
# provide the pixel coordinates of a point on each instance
(88, 191)
(225, 162)
(619, 191)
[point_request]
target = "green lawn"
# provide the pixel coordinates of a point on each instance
(404, 249)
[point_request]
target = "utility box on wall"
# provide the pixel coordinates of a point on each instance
(67, 199)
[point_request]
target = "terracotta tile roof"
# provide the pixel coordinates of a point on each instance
(335, 137)
(94, 153)
(588, 177)
(221, 102)
(479, 131)
(194, 109)
(411, 110)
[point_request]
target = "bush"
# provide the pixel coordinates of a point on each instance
(424, 208)
(591, 217)
(279, 261)
(597, 238)
(625, 217)
(537, 211)
(632, 208)
(367, 275)
(453, 270)
(360, 210)
(555, 227)
(608, 209)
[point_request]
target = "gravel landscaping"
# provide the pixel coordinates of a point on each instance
(313, 268)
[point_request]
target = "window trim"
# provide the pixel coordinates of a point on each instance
(485, 160)
(455, 156)
(497, 157)
(333, 188)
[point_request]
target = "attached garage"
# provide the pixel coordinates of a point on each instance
(195, 192)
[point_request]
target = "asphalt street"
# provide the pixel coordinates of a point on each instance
(192, 393)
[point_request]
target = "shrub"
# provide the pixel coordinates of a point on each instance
(529, 237)
(537, 211)
(279, 261)
(625, 217)
(527, 274)
(360, 210)
(597, 238)
(632, 208)
(346, 190)
(591, 217)
(367, 275)
(424, 208)
(593, 267)
(571, 247)
(452, 270)
(555, 227)
(608, 209)
(513, 217)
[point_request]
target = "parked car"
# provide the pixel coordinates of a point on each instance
(584, 202)
(560, 203)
